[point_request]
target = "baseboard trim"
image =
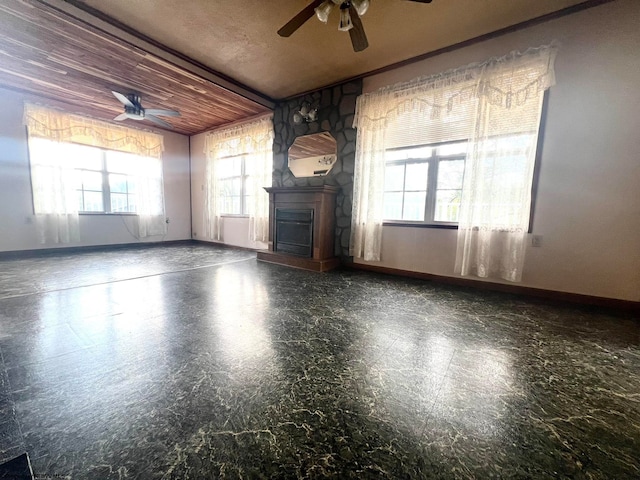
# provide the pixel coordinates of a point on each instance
(224, 245)
(42, 252)
(553, 295)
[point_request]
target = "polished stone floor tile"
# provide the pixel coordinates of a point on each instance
(197, 362)
(64, 270)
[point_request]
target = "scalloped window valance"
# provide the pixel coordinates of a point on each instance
(443, 107)
(64, 127)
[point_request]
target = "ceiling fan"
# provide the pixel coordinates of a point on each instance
(133, 110)
(350, 13)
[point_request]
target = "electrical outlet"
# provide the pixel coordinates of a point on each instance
(536, 240)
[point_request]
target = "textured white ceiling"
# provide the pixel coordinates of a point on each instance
(238, 37)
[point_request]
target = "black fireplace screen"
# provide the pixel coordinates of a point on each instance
(294, 231)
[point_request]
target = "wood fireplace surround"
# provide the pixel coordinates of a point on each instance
(302, 227)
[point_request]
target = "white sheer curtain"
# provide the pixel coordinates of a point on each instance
(368, 194)
(496, 194)
(254, 141)
(54, 196)
(150, 196)
(494, 105)
(212, 204)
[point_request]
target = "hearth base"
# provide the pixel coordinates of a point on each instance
(323, 265)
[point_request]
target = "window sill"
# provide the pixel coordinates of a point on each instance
(233, 215)
(442, 226)
(109, 214)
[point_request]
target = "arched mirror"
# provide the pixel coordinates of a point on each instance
(312, 155)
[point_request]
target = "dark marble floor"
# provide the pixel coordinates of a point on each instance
(192, 362)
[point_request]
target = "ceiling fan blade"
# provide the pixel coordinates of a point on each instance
(358, 37)
(297, 21)
(128, 116)
(421, 1)
(125, 101)
(158, 121)
(160, 111)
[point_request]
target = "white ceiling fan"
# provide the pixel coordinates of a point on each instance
(133, 110)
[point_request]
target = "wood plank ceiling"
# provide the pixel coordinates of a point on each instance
(62, 62)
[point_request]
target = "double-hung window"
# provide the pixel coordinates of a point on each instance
(121, 181)
(239, 164)
(234, 176)
(104, 181)
(423, 184)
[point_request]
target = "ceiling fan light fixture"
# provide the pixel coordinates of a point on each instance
(323, 10)
(345, 19)
(361, 6)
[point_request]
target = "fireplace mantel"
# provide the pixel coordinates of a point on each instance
(302, 227)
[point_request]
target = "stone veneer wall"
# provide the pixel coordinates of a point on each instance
(336, 107)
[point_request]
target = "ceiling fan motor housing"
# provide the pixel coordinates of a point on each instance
(136, 109)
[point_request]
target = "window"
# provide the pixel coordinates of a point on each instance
(121, 184)
(234, 183)
(104, 181)
(239, 164)
(424, 184)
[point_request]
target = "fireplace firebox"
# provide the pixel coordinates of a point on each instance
(294, 231)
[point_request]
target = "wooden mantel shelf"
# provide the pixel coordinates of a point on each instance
(318, 189)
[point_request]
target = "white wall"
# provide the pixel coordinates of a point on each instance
(235, 230)
(17, 231)
(588, 202)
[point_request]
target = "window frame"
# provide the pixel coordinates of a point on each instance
(106, 190)
(534, 182)
(433, 164)
(127, 193)
(243, 186)
(82, 190)
(106, 187)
